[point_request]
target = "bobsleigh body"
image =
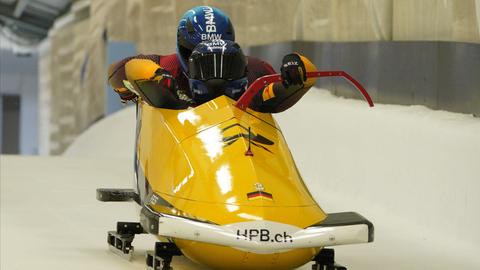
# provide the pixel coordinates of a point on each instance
(221, 183)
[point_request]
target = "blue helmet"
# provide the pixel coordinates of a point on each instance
(215, 68)
(200, 24)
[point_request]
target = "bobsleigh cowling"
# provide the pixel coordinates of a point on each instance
(219, 182)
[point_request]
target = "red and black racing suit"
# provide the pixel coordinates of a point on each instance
(273, 98)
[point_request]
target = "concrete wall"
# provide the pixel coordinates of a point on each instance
(440, 75)
(153, 23)
(44, 97)
(72, 96)
(76, 97)
(450, 20)
(352, 20)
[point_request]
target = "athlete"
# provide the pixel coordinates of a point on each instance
(168, 81)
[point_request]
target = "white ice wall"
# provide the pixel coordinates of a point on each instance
(408, 161)
(412, 171)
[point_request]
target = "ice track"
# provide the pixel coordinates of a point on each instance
(414, 172)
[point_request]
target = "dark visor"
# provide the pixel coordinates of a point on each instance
(227, 66)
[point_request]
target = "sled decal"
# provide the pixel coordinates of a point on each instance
(255, 139)
(259, 195)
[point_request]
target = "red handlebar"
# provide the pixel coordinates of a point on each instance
(260, 83)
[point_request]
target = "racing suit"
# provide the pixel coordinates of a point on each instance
(275, 97)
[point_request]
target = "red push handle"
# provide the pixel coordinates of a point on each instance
(260, 83)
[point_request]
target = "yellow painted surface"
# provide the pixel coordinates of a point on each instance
(309, 66)
(268, 92)
(218, 257)
(195, 159)
(140, 69)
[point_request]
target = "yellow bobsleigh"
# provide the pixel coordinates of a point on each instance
(219, 183)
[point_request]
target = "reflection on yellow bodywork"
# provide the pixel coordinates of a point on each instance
(249, 216)
(230, 204)
(224, 179)
(189, 116)
(212, 142)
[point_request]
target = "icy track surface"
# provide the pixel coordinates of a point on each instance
(414, 172)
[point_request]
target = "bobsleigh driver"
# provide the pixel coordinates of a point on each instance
(207, 64)
(214, 176)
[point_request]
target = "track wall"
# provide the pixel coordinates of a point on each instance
(440, 75)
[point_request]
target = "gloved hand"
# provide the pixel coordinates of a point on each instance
(165, 92)
(165, 79)
(293, 70)
(126, 95)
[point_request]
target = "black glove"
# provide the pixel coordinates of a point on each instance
(165, 79)
(173, 98)
(293, 70)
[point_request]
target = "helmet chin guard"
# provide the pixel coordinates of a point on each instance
(216, 68)
(199, 24)
(206, 91)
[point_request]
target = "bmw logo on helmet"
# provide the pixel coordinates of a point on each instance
(200, 24)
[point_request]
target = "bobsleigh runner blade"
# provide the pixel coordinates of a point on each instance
(121, 244)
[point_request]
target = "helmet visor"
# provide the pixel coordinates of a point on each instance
(227, 66)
